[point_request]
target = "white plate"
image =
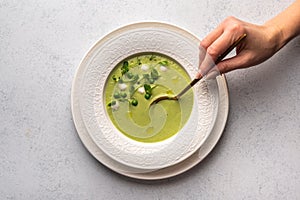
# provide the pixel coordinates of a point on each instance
(88, 98)
(182, 167)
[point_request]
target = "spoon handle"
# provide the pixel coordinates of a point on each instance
(191, 84)
(219, 59)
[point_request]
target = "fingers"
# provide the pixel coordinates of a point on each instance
(205, 65)
(215, 49)
(205, 61)
(230, 24)
(218, 41)
(220, 45)
(211, 37)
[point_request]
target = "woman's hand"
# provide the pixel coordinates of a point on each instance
(261, 43)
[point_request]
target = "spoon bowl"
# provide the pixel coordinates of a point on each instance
(161, 98)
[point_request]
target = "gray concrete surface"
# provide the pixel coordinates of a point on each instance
(41, 156)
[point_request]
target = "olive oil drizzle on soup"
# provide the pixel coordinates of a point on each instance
(131, 87)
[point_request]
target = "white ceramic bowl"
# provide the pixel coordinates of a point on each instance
(89, 84)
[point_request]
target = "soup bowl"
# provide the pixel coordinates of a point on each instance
(90, 87)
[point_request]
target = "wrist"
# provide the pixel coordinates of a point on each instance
(286, 25)
(277, 35)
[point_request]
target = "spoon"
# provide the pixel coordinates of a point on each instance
(194, 81)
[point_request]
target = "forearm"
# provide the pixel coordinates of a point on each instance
(286, 25)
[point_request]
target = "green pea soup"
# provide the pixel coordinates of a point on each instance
(131, 87)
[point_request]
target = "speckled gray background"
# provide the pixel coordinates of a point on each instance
(41, 156)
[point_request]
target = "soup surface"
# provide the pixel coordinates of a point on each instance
(132, 86)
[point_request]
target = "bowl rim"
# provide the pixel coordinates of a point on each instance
(124, 28)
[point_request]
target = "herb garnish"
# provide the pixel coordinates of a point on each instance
(134, 81)
(125, 67)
